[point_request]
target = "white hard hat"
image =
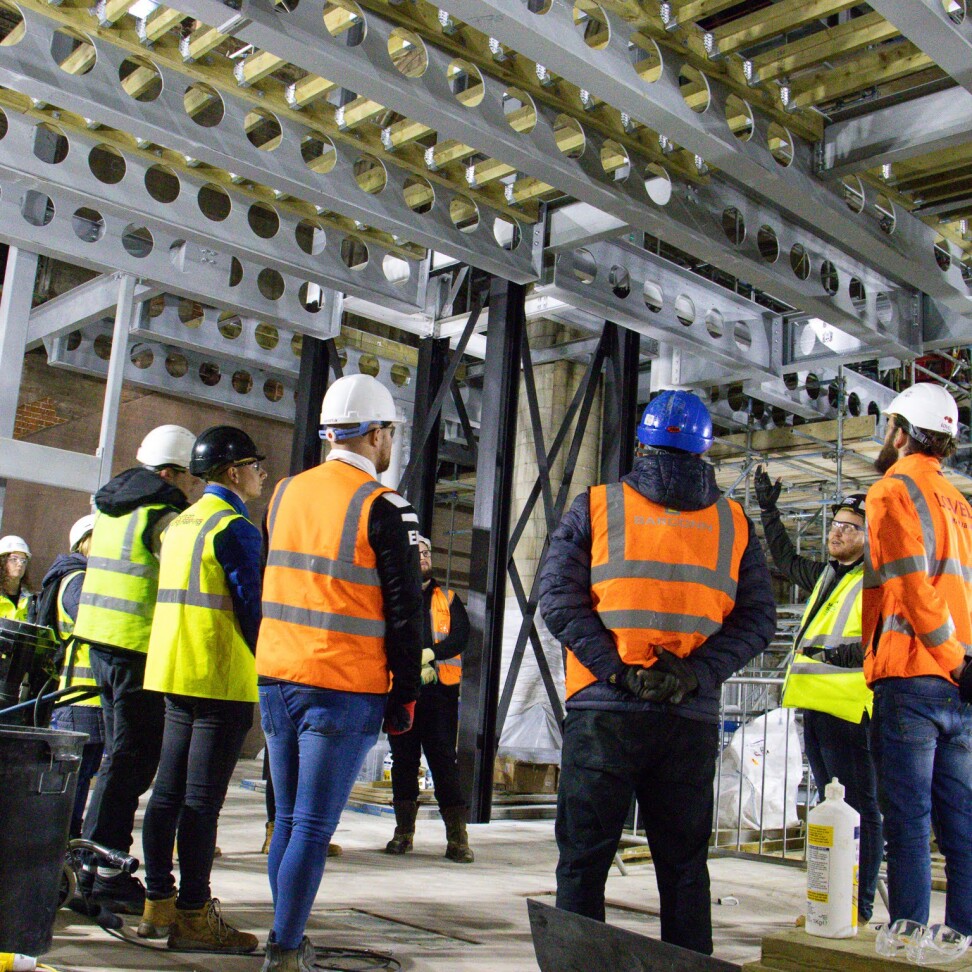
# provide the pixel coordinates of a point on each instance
(167, 445)
(80, 530)
(12, 544)
(356, 399)
(926, 406)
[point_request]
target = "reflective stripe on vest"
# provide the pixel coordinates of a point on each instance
(449, 670)
(838, 619)
(323, 612)
(197, 646)
(76, 672)
(121, 581)
(659, 577)
(841, 692)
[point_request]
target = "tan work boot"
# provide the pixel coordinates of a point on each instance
(158, 917)
(290, 959)
(457, 843)
(334, 850)
(266, 841)
(204, 930)
(405, 813)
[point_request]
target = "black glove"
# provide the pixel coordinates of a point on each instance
(648, 684)
(687, 682)
(398, 717)
(767, 492)
(965, 683)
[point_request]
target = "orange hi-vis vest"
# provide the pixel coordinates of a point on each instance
(659, 577)
(917, 594)
(323, 611)
(449, 670)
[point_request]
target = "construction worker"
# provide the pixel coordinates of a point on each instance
(659, 587)
(826, 677)
(445, 630)
(115, 618)
(201, 655)
(15, 598)
(61, 589)
(917, 634)
(342, 624)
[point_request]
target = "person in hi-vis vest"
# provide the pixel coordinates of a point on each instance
(67, 573)
(340, 646)
(916, 625)
(115, 619)
(658, 588)
(826, 676)
(15, 596)
(445, 630)
(201, 657)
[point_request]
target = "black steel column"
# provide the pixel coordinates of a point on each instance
(317, 358)
(420, 492)
(490, 547)
(620, 401)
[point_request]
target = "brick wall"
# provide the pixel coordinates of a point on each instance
(34, 416)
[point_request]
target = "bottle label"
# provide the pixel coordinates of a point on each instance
(820, 835)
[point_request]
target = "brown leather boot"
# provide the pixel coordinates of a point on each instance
(405, 813)
(457, 846)
(266, 842)
(205, 930)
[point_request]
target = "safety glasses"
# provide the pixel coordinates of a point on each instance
(921, 944)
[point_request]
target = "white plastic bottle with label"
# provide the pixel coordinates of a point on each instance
(833, 846)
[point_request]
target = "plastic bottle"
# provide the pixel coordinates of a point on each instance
(386, 765)
(10, 962)
(833, 845)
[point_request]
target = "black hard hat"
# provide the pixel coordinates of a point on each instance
(219, 447)
(853, 502)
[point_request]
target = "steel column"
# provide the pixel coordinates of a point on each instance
(490, 547)
(124, 312)
(620, 402)
(15, 303)
(317, 358)
(433, 353)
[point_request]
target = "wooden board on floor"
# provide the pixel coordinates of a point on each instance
(796, 951)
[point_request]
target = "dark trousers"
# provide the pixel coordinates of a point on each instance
(200, 747)
(433, 730)
(87, 719)
(668, 763)
(836, 747)
(133, 741)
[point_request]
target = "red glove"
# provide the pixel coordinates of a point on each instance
(398, 717)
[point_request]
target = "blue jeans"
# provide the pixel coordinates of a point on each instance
(317, 740)
(836, 747)
(921, 737)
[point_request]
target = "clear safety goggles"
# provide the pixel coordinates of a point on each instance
(921, 944)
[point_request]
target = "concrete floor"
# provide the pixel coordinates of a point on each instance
(430, 914)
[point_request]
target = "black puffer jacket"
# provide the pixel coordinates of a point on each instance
(682, 482)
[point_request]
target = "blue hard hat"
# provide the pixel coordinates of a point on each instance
(676, 420)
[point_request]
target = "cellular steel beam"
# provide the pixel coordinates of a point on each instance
(552, 39)
(673, 305)
(686, 215)
(222, 141)
(929, 124)
(945, 38)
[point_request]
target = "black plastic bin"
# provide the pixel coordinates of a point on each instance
(38, 777)
(27, 660)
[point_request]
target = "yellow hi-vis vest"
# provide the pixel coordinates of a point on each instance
(120, 584)
(76, 672)
(812, 683)
(449, 670)
(197, 646)
(16, 611)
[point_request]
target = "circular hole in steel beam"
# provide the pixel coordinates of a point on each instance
(734, 225)
(88, 224)
(829, 277)
(520, 111)
(263, 220)
(464, 214)
(262, 129)
(137, 241)
(800, 261)
(645, 58)
(694, 88)
(739, 118)
(767, 244)
(107, 164)
(345, 22)
(466, 83)
(162, 184)
(354, 253)
(408, 52)
(73, 52)
(591, 19)
(203, 105)
(140, 78)
(310, 236)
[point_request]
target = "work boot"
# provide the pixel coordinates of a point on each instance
(158, 918)
(299, 959)
(405, 813)
(121, 894)
(457, 846)
(266, 840)
(204, 930)
(334, 850)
